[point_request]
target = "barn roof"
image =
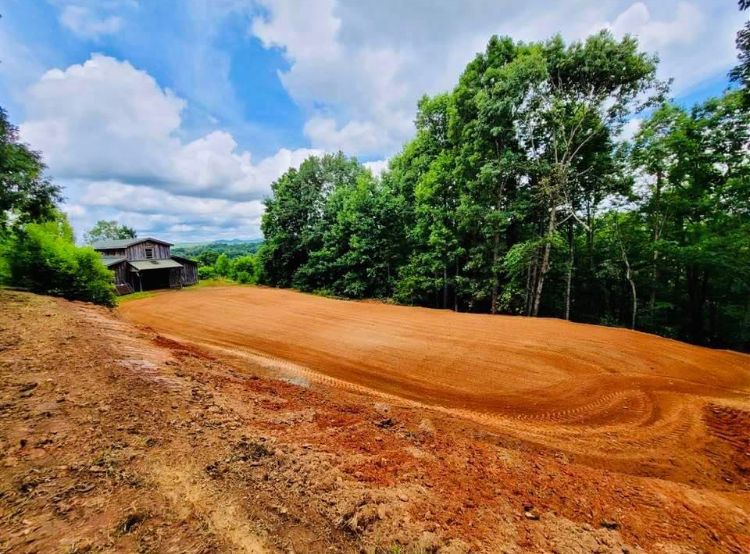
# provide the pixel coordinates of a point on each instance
(143, 265)
(109, 261)
(124, 243)
(184, 260)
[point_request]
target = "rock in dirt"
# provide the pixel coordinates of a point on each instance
(610, 524)
(386, 423)
(532, 515)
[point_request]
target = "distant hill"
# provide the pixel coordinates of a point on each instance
(207, 252)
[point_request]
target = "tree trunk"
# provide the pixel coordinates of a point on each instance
(455, 288)
(697, 286)
(655, 259)
(544, 267)
(529, 282)
(445, 286)
(629, 277)
(569, 277)
(495, 276)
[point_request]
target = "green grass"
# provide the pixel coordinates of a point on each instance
(135, 296)
(217, 282)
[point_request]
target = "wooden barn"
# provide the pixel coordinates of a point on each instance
(145, 264)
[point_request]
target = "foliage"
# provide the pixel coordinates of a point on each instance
(108, 230)
(518, 195)
(240, 270)
(43, 257)
(741, 73)
(25, 193)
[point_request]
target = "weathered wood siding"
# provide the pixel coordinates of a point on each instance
(189, 273)
(175, 277)
(189, 270)
(138, 251)
(120, 273)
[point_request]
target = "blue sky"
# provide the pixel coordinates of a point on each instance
(175, 116)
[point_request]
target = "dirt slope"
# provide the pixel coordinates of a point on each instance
(116, 438)
(619, 399)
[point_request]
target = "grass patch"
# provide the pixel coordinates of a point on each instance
(135, 296)
(217, 282)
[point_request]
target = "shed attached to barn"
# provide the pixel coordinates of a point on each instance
(145, 264)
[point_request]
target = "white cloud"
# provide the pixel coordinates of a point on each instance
(112, 136)
(377, 167)
(87, 23)
(306, 30)
(105, 119)
(687, 23)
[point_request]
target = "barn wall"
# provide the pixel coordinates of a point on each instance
(120, 272)
(138, 251)
(189, 273)
(189, 270)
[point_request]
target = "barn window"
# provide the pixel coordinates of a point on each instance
(149, 253)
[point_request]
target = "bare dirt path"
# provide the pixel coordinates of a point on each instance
(115, 438)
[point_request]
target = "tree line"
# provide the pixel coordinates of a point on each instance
(521, 193)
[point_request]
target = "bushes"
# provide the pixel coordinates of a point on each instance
(43, 258)
(242, 270)
(206, 272)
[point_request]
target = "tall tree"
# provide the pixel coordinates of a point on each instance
(108, 230)
(582, 98)
(25, 193)
(296, 218)
(741, 73)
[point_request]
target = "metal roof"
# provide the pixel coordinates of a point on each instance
(144, 265)
(124, 243)
(112, 260)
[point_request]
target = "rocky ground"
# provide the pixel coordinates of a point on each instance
(114, 438)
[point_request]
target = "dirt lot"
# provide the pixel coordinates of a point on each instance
(248, 419)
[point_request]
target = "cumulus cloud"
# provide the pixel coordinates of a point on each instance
(113, 137)
(105, 119)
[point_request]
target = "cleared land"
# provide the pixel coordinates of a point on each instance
(623, 400)
(300, 424)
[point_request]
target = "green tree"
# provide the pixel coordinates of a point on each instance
(244, 269)
(741, 73)
(223, 266)
(44, 258)
(296, 217)
(25, 193)
(108, 230)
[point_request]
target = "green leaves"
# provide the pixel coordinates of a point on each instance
(108, 230)
(42, 257)
(25, 193)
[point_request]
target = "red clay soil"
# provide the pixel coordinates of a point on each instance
(254, 420)
(618, 399)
